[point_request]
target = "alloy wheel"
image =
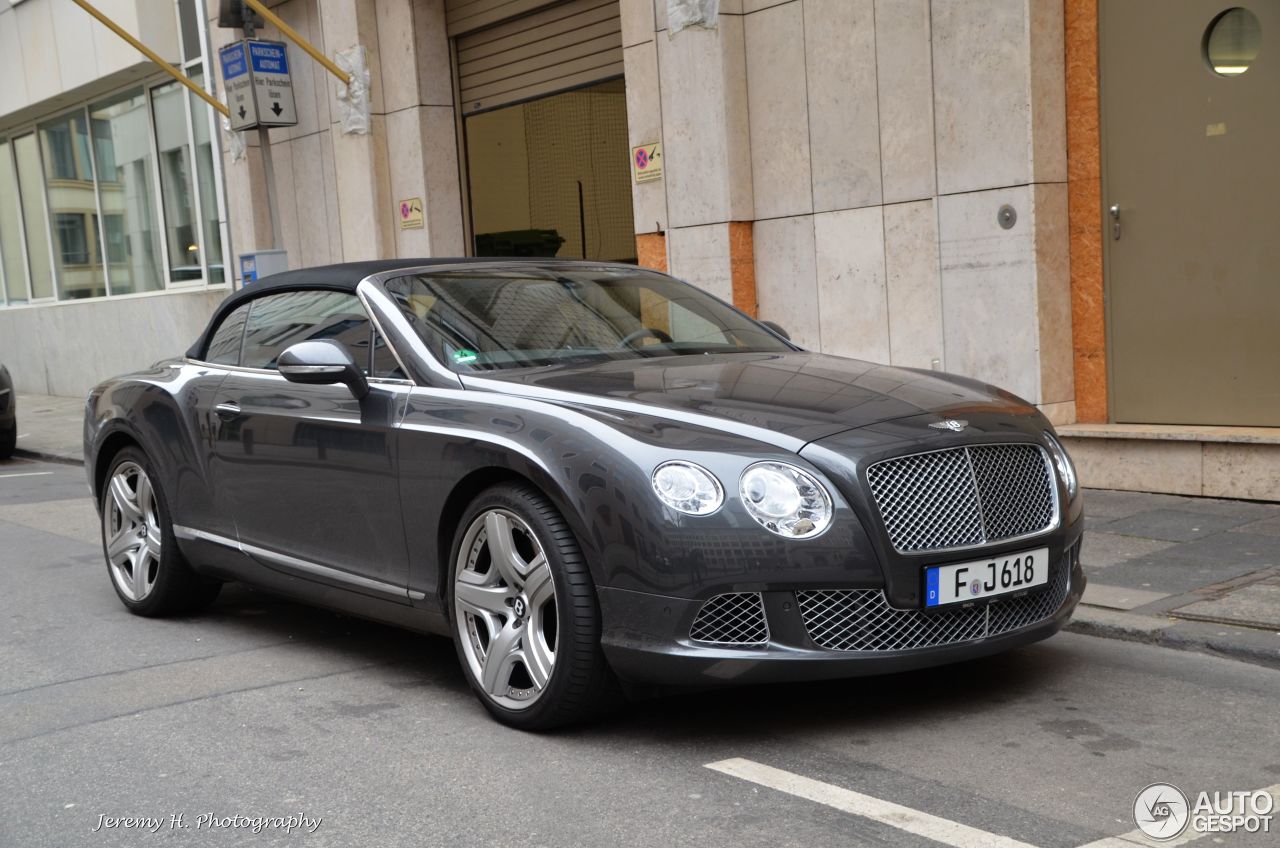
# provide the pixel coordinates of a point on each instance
(505, 608)
(131, 531)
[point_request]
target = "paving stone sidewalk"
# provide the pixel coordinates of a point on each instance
(1191, 573)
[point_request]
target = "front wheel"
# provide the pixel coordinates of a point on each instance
(525, 618)
(147, 570)
(8, 440)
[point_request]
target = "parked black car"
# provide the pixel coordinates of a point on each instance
(596, 478)
(8, 414)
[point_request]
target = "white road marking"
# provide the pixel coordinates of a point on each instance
(25, 474)
(895, 815)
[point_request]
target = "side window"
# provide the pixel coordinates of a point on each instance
(224, 347)
(277, 321)
(384, 361)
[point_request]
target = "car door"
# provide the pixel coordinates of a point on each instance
(308, 471)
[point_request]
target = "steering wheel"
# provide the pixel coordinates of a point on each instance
(643, 333)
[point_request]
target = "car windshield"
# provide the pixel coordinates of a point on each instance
(493, 319)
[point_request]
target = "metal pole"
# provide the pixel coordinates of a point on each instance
(269, 172)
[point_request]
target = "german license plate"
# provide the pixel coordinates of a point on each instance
(986, 578)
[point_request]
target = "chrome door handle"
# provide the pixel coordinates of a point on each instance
(1114, 212)
(227, 411)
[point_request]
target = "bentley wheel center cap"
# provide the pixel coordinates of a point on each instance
(518, 608)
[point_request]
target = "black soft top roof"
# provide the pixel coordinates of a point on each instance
(343, 277)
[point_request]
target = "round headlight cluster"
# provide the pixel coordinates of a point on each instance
(1066, 468)
(785, 499)
(687, 488)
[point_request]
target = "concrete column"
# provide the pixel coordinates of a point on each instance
(689, 90)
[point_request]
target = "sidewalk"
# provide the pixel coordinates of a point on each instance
(51, 428)
(1188, 573)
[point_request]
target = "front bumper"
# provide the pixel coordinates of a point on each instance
(646, 639)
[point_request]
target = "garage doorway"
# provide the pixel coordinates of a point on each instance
(1190, 117)
(544, 118)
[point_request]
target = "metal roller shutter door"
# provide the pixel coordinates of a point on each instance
(556, 48)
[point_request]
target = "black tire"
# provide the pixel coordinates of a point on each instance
(175, 588)
(8, 440)
(581, 685)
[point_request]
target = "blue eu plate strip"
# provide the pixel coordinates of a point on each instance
(931, 587)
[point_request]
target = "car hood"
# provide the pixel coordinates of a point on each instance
(802, 396)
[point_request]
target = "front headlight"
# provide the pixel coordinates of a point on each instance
(1065, 466)
(687, 488)
(785, 499)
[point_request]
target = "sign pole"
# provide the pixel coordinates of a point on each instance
(268, 167)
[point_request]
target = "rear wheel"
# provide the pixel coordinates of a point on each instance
(525, 618)
(8, 439)
(147, 570)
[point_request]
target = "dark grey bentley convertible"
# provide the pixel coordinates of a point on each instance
(596, 478)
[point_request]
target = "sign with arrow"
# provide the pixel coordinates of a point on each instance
(255, 74)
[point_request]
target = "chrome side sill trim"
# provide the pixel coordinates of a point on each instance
(293, 563)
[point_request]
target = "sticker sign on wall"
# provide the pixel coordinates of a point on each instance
(411, 214)
(646, 162)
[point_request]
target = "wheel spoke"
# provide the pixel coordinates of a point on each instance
(502, 549)
(152, 544)
(538, 586)
(125, 500)
(144, 499)
(537, 658)
(481, 599)
(121, 543)
(141, 566)
(500, 659)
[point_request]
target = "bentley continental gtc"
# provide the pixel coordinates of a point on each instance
(597, 479)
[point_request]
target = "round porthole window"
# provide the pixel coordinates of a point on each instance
(1232, 41)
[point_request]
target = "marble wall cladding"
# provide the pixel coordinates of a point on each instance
(779, 118)
(982, 100)
(700, 255)
(364, 192)
(844, 124)
(989, 303)
(644, 126)
(397, 52)
(638, 21)
(1048, 91)
(913, 284)
(431, 54)
(706, 143)
(1053, 292)
(787, 277)
(904, 75)
(852, 297)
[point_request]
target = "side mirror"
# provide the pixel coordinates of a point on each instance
(777, 328)
(323, 363)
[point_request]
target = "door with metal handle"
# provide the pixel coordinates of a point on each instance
(1114, 212)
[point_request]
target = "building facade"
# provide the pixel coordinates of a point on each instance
(927, 183)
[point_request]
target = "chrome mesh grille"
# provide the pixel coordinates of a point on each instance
(863, 620)
(733, 619)
(963, 497)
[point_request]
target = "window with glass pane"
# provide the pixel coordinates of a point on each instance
(188, 19)
(209, 217)
(31, 190)
(279, 320)
(126, 190)
(15, 274)
(73, 206)
(173, 143)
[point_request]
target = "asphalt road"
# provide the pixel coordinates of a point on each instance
(266, 708)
